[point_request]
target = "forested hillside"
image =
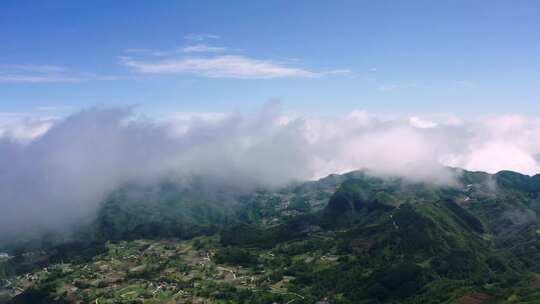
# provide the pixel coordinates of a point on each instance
(349, 238)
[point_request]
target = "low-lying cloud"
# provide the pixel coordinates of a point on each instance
(55, 172)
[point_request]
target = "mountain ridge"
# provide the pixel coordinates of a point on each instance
(350, 238)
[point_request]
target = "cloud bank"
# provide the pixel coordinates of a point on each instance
(56, 171)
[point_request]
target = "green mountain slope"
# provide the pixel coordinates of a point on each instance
(349, 238)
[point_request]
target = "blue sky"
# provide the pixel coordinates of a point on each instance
(318, 57)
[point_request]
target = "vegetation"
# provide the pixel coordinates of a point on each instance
(344, 239)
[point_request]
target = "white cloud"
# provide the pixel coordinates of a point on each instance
(495, 155)
(418, 122)
(149, 52)
(196, 48)
(201, 37)
(20, 73)
(202, 48)
(13, 78)
(337, 72)
(92, 152)
(227, 66)
(52, 108)
(201, 62)
(182, 122)
(24, 127)
(33, 68)
(508, 142)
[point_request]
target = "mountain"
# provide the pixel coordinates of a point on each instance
(350, 238)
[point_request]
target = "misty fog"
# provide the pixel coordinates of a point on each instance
(55, 171)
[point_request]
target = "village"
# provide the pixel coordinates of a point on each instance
(147, 271)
